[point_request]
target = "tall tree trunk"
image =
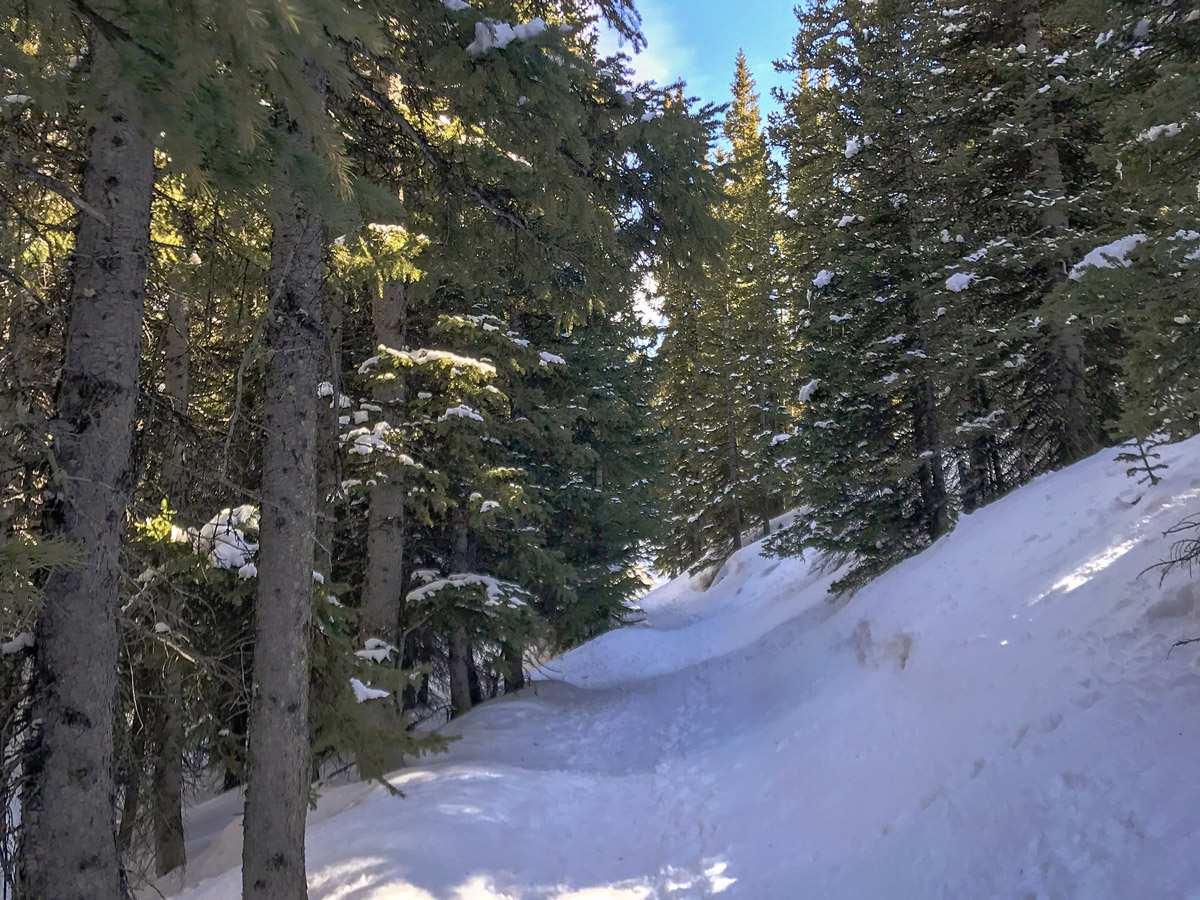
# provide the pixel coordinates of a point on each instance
(919, 311)
(734, 476)
(1078, 437)
(514, 664)
(459, 641)
(167, 721)
(70, 850)
(132, 756)
(928, 444)
(383, 592)
(460, 673)
(328, 463)
(167, 783)
(474, 684)
(278, 764)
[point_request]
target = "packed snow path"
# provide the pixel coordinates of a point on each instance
(997, 717)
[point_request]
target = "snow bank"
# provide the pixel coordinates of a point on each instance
(997, 717)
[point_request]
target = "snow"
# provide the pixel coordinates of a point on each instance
(1154, 132)
(551, 359)
(364, 441)
(823, 278)
(376, 650)
(461, 412)
(497, 591)
(23, 641)
(363, 693)
(1109, 256)
(855, 145)
(223, 541)
(492, 33)
(424, 356)
(996, 717)
(960, 281)
(809, 389)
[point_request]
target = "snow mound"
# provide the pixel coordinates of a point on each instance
(996, 717)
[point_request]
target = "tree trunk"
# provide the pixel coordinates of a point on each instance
(131, 782)
(919, 311)
(383, 592)
(731, 441)
(1078, 438)
(328, 463)
(167, 783)
(927, 441)
(735, 486)
(460, 675)
(70, 843)
(459, 641)
(514, 664)
(473, 682)
(278, 765)
(167, 722)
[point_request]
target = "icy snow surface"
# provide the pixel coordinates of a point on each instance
(995, 718)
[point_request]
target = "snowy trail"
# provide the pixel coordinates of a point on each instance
(996, 717)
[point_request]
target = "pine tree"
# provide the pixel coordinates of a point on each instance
(872, 335)
(70, 837)
(1144, 58)
(726, 349)
(1009, 156)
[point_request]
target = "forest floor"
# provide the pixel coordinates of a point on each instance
(997, 717)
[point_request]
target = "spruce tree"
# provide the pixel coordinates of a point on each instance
(70, 839)
(725, 359)
(872, 334)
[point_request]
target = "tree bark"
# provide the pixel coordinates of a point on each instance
(474, 684)
(167, 782)
(70, 850)
(1078, 437)
(460, 676)
(130, 775)
(927, 442)
(329, 467)
(167, 723)
(278, 753)
(383, 592)
(514, 663)
(459, 642)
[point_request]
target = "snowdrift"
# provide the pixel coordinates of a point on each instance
(997, 717)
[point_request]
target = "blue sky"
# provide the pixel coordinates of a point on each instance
(698, 40)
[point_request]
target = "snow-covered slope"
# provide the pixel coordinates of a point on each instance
(997, 717)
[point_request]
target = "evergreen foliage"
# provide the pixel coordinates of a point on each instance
(964, 252)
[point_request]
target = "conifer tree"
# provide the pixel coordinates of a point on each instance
(725, 359)
(872, 335)
(1144, 59)
(70, 840)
